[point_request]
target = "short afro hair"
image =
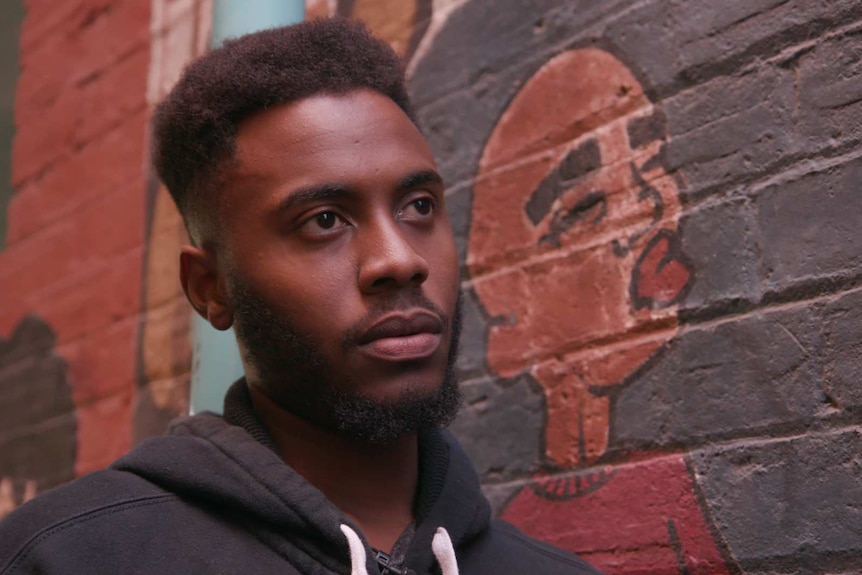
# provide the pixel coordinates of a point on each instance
(194, 128)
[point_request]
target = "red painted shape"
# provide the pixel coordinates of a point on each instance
(643, 519)
(661, 276)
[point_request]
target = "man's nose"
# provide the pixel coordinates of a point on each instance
(388, 260)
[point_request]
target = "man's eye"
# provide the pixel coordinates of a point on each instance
(323, 222)
(419, 208)
(326, 220)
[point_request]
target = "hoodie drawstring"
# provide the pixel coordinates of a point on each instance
(441, 545)
(357, 551)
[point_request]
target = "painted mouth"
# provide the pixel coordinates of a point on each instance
(403, 337)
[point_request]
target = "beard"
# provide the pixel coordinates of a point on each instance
(294, 373)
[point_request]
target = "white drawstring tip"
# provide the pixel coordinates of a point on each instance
(441, 545)
(357, 551)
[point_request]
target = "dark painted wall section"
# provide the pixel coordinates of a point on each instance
(717, 433)
(11, 16)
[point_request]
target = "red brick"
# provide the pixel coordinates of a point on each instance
(167, 235)
(557, 306)
(83, 298)
(103, 362)
(114, 96)
(156, 397)
(83, 47)
(166, 340)
(111, 292)
(618, 518)
(108, 227)
(56, 130)
(113, 161)
(578, 415)
(542, 114)
(104, 431)
(69, 59)
(46, 17)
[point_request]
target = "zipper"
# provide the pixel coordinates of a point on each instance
(384, 561)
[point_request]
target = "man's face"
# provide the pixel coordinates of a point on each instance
(340, 265)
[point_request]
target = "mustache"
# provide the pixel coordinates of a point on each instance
(403, 302)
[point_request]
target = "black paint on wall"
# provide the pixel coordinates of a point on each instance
(11, 16)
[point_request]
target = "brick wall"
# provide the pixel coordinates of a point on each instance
(70, 271)
(94, 341)
(656, 204)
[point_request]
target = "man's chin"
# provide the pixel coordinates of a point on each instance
(399, 407)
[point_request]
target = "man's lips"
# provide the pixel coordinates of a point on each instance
(404, 336)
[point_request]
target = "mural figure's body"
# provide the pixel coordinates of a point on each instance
(575, 256)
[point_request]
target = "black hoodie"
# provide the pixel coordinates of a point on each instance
(213, 496)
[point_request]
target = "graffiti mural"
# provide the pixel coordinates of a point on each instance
(164, 346)
(576, 243)
(568, 214)
(38, 424)
(574, 248)
(402, 23)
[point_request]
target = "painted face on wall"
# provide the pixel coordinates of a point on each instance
(573, 248)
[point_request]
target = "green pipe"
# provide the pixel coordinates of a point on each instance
(216, 362)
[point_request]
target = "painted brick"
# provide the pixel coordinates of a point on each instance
(471, 358)
(100, 362)
(67, 60)
(104, 431)
(33, 375)
(841, 356)
(157, 404)
(633, 519)
(104, 165)
(788, 505)
(796, 246)
(166, 235)
(107, 228)
(753, 35)
(167, 349)
(500, 426)
(45, 17)
(725, 130)
(721, 241)
(458, 206)
(456, 137)
(37, 419)
(95, 300)
(830, 96)
(112, 97)
(759, 374)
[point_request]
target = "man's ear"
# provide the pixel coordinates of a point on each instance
(205, 286)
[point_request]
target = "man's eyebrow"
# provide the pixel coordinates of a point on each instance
(312, 194)
(419, 179)
(333, 191)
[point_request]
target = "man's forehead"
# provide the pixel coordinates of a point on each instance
(357, 139)
(325, 129)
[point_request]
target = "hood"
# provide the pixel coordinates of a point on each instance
(229, 464)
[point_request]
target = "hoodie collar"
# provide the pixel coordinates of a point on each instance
(232, 463)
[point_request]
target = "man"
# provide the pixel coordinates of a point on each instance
(318, 232)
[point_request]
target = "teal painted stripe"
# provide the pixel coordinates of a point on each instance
(232, 18)
(216, 362)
